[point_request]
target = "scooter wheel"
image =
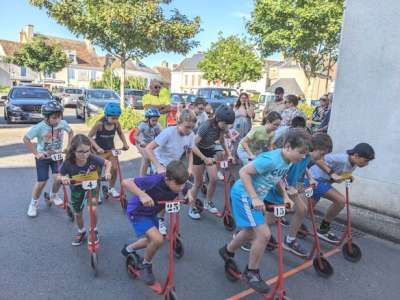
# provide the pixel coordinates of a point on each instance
(322, 267)
(353, 254)
(94, 263)
(123, 203)
(232, 272)
(204, 189)
(47, 198)
(104, 190)
(229, 223)
(199, 205)
(179, 251)
(70, 214)
(132, 262)
(171, 295)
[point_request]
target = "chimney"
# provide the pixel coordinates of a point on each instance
(164, 64)
(89, 46)
(26, 34)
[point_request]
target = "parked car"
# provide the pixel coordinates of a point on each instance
(314, 103)
(217, 96)
(134, 98)
(24, 103)
(179, 99)
(263, 100)
(93, 102)
(69, 96)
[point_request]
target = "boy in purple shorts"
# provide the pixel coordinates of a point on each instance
(143, 208)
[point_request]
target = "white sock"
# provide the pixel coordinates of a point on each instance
(34, 201)
(81, 230)
(130, 249)
(145, 262)
(290, 239)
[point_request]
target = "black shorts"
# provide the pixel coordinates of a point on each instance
(43, 166)
(197, 161)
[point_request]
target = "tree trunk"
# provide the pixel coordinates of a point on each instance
(328, 73)
(122, 85)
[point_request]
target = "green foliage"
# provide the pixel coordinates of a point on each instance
(4, 89)
(40, 56)
(130, 118)
(125, 28)
(307, 109)
(231, 60)
(307, 31)
(111, 81)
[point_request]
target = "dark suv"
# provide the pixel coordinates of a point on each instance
(218, 96)
(24, 104)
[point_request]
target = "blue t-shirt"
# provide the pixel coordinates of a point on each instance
(157, 189)
(49, 139)
(270, 167)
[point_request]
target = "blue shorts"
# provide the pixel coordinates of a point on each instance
(42, 168)
(321, 189)
(244, 215)
(274, 197)
(142, 224)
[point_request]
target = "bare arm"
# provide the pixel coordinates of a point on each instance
(196, 150)
(245, 144)
(91, 135)
(32, 148)
(122, 137)
(70, 136)
(152, 157)
(130, 185)
(245, 174)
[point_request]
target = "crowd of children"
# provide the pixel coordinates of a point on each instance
(278, 159)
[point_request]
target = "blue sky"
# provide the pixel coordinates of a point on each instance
(216, 15)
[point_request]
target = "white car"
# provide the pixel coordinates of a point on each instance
(263, 99)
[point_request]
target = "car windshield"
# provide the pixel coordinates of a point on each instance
(98, 94)
(218, 94)
(134, 93)
(73, 91)
(177, 98)
(33, 93)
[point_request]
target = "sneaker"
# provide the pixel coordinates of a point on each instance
(294, 247)
(272, 244)
(79, 238)
(220, 176)
(328, 236)
(254, 280)
(47, 200)
(96, 238)
(223, 252)
(57, 200)
(113, 193)
(125, 252)
(146, 273)
(162, 227)
(32, 209)
(209, 205)
(194, 213)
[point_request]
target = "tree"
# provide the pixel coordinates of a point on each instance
(231, 60)
(127, 29)
(307, 31)
(111, 81)
(40, 57)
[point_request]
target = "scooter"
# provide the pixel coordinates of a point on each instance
(176, 249)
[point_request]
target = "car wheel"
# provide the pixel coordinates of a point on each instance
(6, 118)
(84, 114)
(76, 114)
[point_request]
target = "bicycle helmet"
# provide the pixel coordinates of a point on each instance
(112, 110)
(225, 113)
(51, 107)
(152, 113)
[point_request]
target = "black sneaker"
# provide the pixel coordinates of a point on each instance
(327, 235)
(79, 238)
(96, 237)
(225, 254)
(146, 273)
(125, 252)
(272, 244)
(254, 280)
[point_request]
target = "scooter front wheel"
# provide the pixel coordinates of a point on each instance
(322, 267)
(178, 248)
(229, 223)
(351, 252)
(171, 295)
(70, 214)
(94, 263)
(232, 272)
(199, 205)
(132, 265)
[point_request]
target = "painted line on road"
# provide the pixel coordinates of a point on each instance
(289, 273)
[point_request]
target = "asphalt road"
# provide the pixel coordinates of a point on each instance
(37, 260)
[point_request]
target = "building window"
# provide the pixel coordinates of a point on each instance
(23, 71)
(49, 75)
(71, 73)
(192, 80)
(199, 80)
(186, 80)
(72, 58)
(93, 75)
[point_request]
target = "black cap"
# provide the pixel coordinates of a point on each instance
(363, 150)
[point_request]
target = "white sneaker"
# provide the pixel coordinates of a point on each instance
(32, 210)
(194, 213)
(220, 175)
(57, 200)
(209, 205)
(113, 193)
(162, 227)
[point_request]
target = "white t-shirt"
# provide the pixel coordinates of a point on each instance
(171, 145)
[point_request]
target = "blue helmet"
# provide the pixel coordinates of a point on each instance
(152, 113)
(112, 110)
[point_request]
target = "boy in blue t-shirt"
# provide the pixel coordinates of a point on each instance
(256, 180)
(336, 168)
(321, 145)
(143, 208)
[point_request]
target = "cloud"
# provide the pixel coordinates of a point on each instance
(241, 15)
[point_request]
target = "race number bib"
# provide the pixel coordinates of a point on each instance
(223, 164)
(116, 152)
(89, 184)
(279, 211)
(172, 207)
(57, 156)
(308, 192)
(348, 183)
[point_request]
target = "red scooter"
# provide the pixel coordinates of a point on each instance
(176, 249)
(226, 213)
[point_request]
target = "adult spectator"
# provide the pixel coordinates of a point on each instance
(323, 127)
(158, 100)
(319, 112)
(278, 105)
(244, 113)
(291, 111)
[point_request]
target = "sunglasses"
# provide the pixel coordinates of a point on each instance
(157, 87)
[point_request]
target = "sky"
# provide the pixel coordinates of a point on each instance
(228, 16)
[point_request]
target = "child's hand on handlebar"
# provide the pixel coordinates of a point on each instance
(40, 155)
(313, 183)
(258, 204)
(337, 178)
(146, 200)
(125, 147)
(65, 180)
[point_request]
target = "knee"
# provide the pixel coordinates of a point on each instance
(340, 202)
(158, 240)
(301, 209)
